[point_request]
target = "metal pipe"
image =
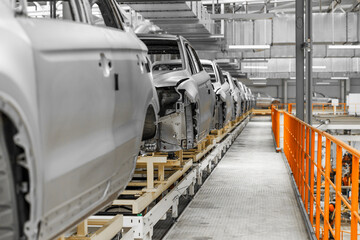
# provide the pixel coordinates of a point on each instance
(299, 35)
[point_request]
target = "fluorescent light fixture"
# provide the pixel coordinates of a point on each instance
(259, 83)
(343, 46)
(257, 78)
(255, 67)
(222, 60)
(323, 83)
(340, 78)
(254, 60)
(217, 36)
(255, 47)
(292, 77)
(319, 67)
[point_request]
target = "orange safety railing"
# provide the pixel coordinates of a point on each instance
(275, 119)
(300, 143)
(328, 107)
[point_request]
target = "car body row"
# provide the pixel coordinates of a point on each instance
(195, 95)
(264, 100)
(79, 97)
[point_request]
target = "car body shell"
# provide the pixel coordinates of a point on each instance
(320, 98)
(264, 100)
(236, 95)
(224, 101)
(244, 96)
(194, 89)
(252, 100)
(57, 84)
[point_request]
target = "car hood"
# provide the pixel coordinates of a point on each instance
(169, 78)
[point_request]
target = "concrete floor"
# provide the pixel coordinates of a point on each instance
(248, 196)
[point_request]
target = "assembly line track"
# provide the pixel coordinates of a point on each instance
(248, 195)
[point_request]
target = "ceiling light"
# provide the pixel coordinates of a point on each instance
(256, 47)
(257, 78)
(254, 60)
(319, 67)
(340, 78)
(323, 83)
(259, 83)
(292, 77)
(255, 67)
(343, 46)
(217, 36)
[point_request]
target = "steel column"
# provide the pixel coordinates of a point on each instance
(309, 80)
(285, 91)
(299, 35)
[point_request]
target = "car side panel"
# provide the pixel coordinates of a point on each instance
(207, 102)
(131, 99)
(76, 105)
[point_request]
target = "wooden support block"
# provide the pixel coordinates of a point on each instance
(82, 229)
(110, 229)
(150, 169)
(139, 204)
(161, 172)
(131, 192)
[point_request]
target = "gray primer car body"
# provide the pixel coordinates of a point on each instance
(264, 100)
(80, 135)
(185, 92)
(224, 103)
(244, 97)
(236, 95)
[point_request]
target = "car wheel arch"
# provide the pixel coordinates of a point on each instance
(22, 140)
(150, 126)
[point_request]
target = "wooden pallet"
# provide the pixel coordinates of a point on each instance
(261, 111)
(196, 154)
(166, 172)
(105, 229)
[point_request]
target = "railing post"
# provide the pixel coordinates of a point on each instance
(354, 197)
(327, 190)
(338, 192)
(318, 187)
(312, 160)
(277, 115)
(307, 170)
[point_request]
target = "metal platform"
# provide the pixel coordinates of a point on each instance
(248, 196)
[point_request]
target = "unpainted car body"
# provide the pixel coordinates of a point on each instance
(235, 93)
(224, 100)
(252, 100)
(185, 92)
(264, 100)
(320, 98)
(73, 103)
(244, 97)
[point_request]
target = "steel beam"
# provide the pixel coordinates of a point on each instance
(299, 36)
(235, 16)
(309, 80)
(285, 91)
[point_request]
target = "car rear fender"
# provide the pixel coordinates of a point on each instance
(190, 88)
(221, 93)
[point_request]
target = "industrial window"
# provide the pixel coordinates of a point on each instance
(62, 10)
